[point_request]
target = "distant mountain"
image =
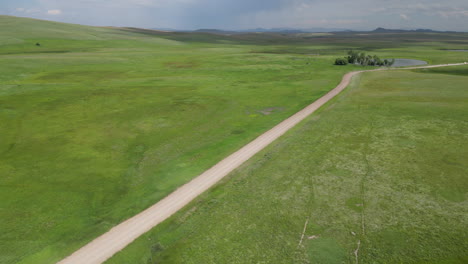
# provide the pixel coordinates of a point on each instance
(421, 30)
(274, 30)
(298, 31)
(170, 29)
(216, 31)
(258, 30)
(295, 30)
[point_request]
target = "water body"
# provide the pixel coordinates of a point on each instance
(408, 62)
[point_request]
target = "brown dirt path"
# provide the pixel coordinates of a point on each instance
(106, 245)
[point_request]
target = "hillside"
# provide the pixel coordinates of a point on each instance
(98, 124)
(15, 28)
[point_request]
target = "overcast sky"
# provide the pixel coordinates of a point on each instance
(246, 14)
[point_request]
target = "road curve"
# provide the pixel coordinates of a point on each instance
(106, 245)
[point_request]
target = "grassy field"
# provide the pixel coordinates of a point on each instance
(97, 124)
(382, 165)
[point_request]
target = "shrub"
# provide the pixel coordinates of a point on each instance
(341, 61)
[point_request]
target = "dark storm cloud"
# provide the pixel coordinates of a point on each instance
(234, 14)
(224, 13)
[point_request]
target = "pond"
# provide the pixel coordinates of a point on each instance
(408, 62)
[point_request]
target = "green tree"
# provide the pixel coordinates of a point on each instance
(354, 57)
(362, 58)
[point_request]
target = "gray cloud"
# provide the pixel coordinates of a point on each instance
(234, 14)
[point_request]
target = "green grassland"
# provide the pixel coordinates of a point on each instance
(383, 164)
(97, 124)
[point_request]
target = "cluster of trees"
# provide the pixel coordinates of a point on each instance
(363, 59)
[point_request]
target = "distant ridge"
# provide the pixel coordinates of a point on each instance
(259, 30)
(216, 31)
(295, 30)
(420, 30)
(301, 31)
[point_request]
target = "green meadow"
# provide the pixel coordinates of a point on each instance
(97, 124)
(377, 176)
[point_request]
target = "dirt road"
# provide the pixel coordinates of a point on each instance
(103, 247)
